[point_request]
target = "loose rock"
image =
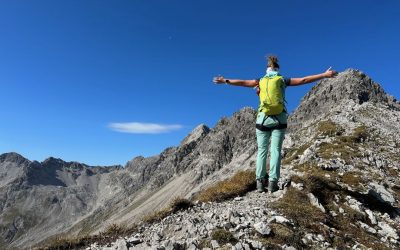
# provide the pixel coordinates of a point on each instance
(262, 228)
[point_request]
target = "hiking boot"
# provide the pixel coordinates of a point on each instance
(273, 186)
(260, 185)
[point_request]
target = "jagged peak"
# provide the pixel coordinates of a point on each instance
(244, 112)
(57, 162)
(350, 84)
(53, 160)
(13, 157)
(350, 87)
(197, 133)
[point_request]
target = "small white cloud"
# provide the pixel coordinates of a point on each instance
(143, 128)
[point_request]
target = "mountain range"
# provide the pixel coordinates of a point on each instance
(345, 128)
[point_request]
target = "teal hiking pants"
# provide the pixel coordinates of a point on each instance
(273, 139)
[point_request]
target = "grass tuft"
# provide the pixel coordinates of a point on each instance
(61, 243)
(340, 148)
(353, 179)
(179, 204)
(360, 134)
(205, 243)
(114, 230)
(281, 235)
(296, 205)
(176, 205)
(241, 183)
(156, 216)
(329, 128)
(110, 234)
(322, 187)
(294, 153)
(223, 236)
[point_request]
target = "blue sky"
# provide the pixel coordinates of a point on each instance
(75, 76)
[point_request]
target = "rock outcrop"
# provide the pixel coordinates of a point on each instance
(346, 89)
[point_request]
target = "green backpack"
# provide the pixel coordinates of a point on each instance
(271, 95)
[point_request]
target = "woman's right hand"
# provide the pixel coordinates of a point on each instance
(219, 79)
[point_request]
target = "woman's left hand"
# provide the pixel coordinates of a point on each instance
(330, 73)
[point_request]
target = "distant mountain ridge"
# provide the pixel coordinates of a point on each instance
(41, 197)
(39, 200)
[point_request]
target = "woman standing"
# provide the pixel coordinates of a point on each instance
(272, 117)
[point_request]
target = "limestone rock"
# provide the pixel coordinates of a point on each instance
(371, 217)
(279, 219)
(367, 228)
(314, 201)
(387, 231)
(380, 192)
(214, 244)
(262, 228)
(121, 245)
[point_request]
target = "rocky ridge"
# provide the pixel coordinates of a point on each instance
(249, 222)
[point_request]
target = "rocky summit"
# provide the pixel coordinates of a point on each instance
(339, 187)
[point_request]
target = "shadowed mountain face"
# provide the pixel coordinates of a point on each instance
(37, 196)
(39, 200)
(13, 167)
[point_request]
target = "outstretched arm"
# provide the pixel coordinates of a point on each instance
(236, 82)
(308, 79)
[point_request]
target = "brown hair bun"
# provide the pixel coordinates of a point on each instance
(273, 62)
